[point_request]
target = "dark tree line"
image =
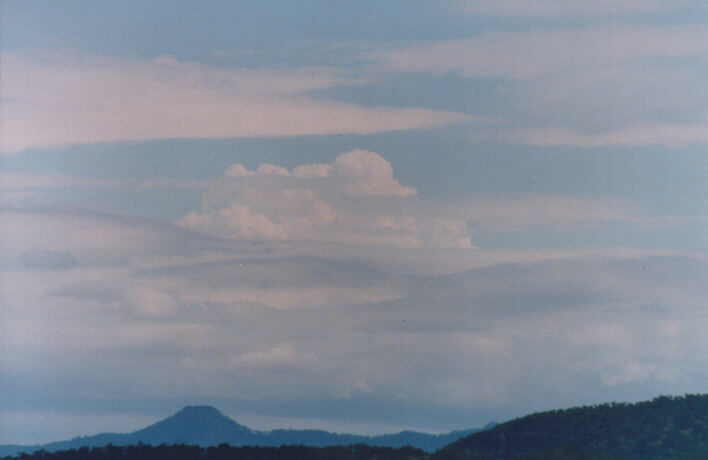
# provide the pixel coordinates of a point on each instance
(226, 452)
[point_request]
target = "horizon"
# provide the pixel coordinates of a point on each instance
(269, 426)
(218, 412)
(365, 217)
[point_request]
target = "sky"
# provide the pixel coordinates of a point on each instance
(355, 216)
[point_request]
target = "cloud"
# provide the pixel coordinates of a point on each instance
(236, 221)
(238, 170)
(59, 100)
(90, 237)
(368, 173)
(528, 211)
(234, 53)
(356, 199)
(607, 84)
(297, 329)
(280, 355)
(570, 8)
(312, 170)
(42, 259)
(589, 322)
(19, 181)
(25, 181)
(531, 53)
(637, 135)
(372, 174)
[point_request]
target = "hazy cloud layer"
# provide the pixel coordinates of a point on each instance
(273, 323)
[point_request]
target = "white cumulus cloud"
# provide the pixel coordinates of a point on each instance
(356, 199)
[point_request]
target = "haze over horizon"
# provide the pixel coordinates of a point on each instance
(363, 217)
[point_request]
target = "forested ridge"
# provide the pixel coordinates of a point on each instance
(663, 428)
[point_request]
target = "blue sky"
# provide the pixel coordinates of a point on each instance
(363, 217)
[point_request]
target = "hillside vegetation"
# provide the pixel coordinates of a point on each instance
(663, 428)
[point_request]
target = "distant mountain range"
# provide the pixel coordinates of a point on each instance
(207, 426)
(663, 428)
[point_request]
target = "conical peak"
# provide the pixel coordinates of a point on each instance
(198, 408)
(200, 411)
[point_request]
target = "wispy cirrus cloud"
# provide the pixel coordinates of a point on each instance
(524, 54)
(604, 84)
(59, 100)
(570, 8)
(636, 135)
(24, 181)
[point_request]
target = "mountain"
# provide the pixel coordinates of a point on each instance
(197, 425)
(206, 426)
(663, 428)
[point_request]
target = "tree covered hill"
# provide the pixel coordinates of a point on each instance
(206, 426)
(663, 428)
